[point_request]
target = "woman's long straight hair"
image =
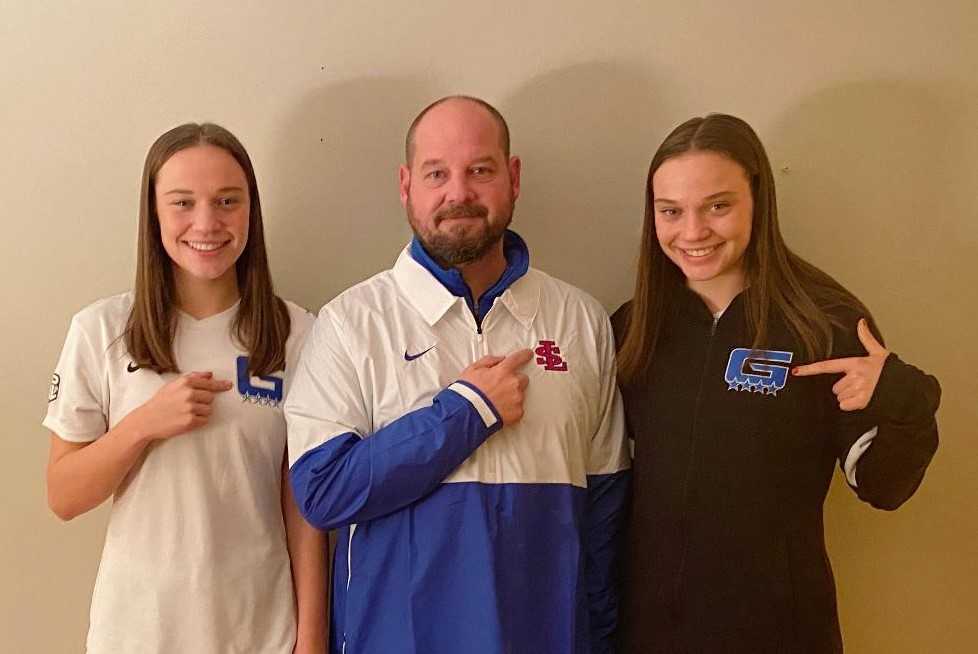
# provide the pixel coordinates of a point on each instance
(262, 324)
(777, 279)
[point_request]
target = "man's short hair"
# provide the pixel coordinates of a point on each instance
(496, 116)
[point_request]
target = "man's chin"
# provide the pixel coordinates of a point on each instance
(462, 229)
(455, 251)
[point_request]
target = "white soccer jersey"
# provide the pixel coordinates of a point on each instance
(195, 557)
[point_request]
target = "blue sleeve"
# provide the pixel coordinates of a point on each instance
(604, 530)
(349, 479)
(608, 487)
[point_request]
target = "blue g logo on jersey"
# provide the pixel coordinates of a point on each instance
(269, 394)
(757, 370)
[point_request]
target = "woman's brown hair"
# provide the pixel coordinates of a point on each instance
(776, 278)
(262, 323)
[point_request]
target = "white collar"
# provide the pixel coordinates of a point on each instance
(432, 300)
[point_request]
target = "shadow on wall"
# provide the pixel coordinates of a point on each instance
(586, 134)
(333, 172)
(880, 167)
(875, 183)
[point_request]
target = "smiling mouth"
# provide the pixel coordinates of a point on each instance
(697, 253)
(206, 246)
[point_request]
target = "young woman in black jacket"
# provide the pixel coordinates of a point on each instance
(747, 375)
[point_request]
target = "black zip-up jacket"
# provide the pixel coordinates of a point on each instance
(733, 459)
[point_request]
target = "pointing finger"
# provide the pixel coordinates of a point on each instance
(487, 361)
(221, 385)
(517, 359)
(823, 367)
(208, 384)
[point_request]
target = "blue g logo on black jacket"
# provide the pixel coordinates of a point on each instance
(757, 370)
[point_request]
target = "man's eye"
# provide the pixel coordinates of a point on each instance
(435, 175)
(481, 171)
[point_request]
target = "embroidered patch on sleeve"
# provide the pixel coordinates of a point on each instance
(55, 387)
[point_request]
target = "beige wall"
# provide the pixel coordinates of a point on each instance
(869, 111)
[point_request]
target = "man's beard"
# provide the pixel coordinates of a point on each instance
(455, 249)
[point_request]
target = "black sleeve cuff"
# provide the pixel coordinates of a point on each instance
(904, 394)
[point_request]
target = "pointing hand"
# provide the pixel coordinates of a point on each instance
(859, 374)
(499, 380)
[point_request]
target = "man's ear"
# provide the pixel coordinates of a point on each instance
(404, 182)
(515, 166)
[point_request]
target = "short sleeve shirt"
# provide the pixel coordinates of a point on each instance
(195, 556)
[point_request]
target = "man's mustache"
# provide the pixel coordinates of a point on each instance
(462, 211)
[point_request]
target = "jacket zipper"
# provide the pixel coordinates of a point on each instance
(677, 584)
(480, 339)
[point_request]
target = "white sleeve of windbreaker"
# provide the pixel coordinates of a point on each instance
(341, 470)
(326, 399)
(609, 452)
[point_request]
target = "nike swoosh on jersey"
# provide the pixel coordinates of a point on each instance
(132, 367)
(412, 357)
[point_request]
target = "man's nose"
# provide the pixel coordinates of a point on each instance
(459, 190)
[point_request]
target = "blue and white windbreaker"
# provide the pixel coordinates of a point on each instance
(458, 534)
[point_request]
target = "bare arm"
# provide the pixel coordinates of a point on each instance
(80, 476)
(310, 570)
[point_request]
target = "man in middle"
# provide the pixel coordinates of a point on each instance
(457, 418)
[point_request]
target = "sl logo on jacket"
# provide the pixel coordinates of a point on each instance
(548, 356)
(259, 394)
(757, 371)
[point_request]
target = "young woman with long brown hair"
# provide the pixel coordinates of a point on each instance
(168, 399)
(735, 443)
